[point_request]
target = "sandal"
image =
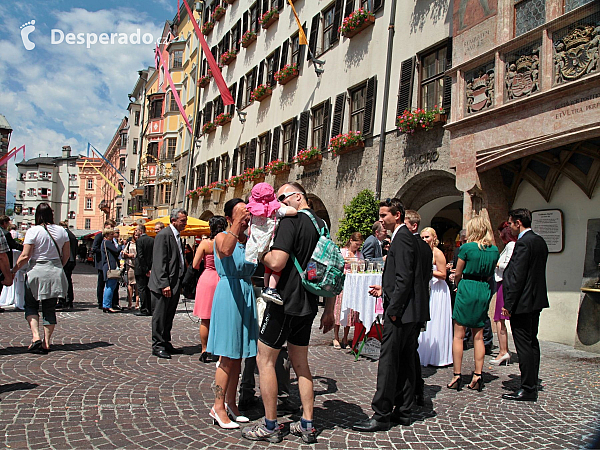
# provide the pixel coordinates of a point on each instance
(336, 344)
(35, 346)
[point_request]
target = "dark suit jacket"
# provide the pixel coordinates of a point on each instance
(371, 249)
(112, 252)
(97, 250)
(73, 244)
(166, 261)
(143, 257)
(14, 245)
(524, 281)
(405, 278)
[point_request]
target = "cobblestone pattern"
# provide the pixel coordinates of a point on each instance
(101, 388)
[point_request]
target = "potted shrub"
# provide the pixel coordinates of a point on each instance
(268, 18)
(248, 38)
(227, 57)
(346, 142)
(308, 156)
(288, 72)
(207, 28)
(420, 119)
(208, 127)
(261, 92)
(277, 166)
(223, 119)
(356, 22)
(218, 13)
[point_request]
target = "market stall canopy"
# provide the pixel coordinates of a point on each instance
(126, 229)
(194, 227)
(84, 234)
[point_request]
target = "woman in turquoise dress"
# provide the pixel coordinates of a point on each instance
(476, 263)
(233, 330)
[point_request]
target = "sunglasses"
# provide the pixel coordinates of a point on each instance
(282, 197)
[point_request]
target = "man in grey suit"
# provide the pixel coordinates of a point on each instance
(168, 268)
(371, 248)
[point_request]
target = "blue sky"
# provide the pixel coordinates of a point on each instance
(61, 94)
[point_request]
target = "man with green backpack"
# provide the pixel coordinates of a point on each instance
(309, 263)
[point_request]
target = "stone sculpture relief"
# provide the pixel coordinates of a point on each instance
(480, 92)
(522, 76)
(576, 54)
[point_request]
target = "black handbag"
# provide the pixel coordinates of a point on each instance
(190, 281)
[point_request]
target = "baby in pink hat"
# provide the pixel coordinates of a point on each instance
(266, 211)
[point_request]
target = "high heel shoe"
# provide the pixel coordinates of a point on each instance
(504, 359)
(232, 416)
(204, 357)
(109, 310)
(456, 384)
(217, 421)
(478, 384)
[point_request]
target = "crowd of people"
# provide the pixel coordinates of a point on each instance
(266, 321)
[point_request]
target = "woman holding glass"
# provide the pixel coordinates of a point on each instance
(347, 317)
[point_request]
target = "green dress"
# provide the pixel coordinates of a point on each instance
(473, 297)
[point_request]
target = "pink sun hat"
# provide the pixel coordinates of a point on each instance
(262, 200)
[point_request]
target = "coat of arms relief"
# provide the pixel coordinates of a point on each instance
(577, 54)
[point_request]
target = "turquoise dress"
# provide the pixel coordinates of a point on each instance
(233, 322)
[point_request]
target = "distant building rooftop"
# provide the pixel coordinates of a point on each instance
(4, 123)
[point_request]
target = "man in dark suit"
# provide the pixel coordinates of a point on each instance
(68, 268)
(14, 245)
(406, 303)
(97, 252)
(143, 265)
(525, 295)
(168, 268)
(371, 248)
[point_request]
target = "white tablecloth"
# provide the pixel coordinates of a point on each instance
(356, 295)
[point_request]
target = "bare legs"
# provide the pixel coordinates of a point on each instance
(299, 358)
(479, 352)
(204, 327)
(34, 324)
(457, 349)
(502, 338)
(226, 381)
(268, 378)
(336, 332)
(131, 294)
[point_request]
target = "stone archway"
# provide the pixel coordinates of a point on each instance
(318, 207)
(426, 187)
(206, 215)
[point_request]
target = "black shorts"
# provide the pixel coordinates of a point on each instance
(278, 327)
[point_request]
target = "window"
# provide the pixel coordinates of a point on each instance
(132, 176)
(250, 85)
(253, 12)
(153, 151)
(73, 177)
(168, 188)
(89, 183)
(32, 175)
(570, 5)
(88, 224)
(177, 59)
(236, 36)
(357, 108)
(71, 214)
(329, 31)
(201, 175)
(44, 192)
(173, 103)
(45, 175)
(243, 156)
(122, 164)
(135, 146)
(433, 66)
(288, 144)
(295, 50)
(123, 140)
(31, 192)
(529, 14)
(272, 67)
(72, 195)
(225, 166)
(88, 203)
(263, 149)
(155, 109)
(171, 146)
(318, 126)
(136, 120)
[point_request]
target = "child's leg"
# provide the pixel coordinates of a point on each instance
(267, 279)
(273, 279)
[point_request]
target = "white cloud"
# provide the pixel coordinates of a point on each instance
(65, 94)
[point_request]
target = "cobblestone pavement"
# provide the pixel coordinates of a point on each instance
(101, 388)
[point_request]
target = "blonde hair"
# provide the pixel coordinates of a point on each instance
(107, 231)
(479, 230)
(433, 234)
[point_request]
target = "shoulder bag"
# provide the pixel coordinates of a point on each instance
(111, 274)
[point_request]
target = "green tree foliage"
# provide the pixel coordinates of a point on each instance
(359, 215)
(9, 212)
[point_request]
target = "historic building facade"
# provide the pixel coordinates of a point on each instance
(5, 132)
(115, 160)
(91, 194)
(525, 132)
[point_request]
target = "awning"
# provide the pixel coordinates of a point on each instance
(194, 227)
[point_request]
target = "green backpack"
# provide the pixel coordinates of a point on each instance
(324, 275)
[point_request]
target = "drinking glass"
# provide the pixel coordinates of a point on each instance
(361, 266)
(371, 267)
(354, 267)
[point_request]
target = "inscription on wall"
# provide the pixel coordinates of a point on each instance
(312, 173)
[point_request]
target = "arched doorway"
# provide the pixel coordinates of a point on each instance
(206, 215)
(318, 207)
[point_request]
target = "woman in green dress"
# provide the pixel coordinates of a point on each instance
(476, 263)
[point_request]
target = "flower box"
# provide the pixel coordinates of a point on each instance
(208, 127)
(261, 92)
(248, 38)
(420, 119)
(356, 22)
(203, 81)
(439, 118)
(289, 72)
(308, 156)
(227, 57)
(207, 28)
(278, 167)
(236, 180)
(346, 142)
(223, 119)
(269, 18)
(254, 173)
(218, 13)
(312, 160)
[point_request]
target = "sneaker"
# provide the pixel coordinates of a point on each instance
(272, 295)
(308, 436)
(259, 432)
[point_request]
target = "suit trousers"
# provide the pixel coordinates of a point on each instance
(163, 313)
(396, 371)
(524, 330)
(144, 293)
(282, 371)
(100, 288)
(68, 268)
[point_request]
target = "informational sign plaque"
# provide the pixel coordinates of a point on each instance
(548, 223)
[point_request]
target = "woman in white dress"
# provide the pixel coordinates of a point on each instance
(435, 343)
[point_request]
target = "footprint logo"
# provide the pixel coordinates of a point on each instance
(26, 30)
